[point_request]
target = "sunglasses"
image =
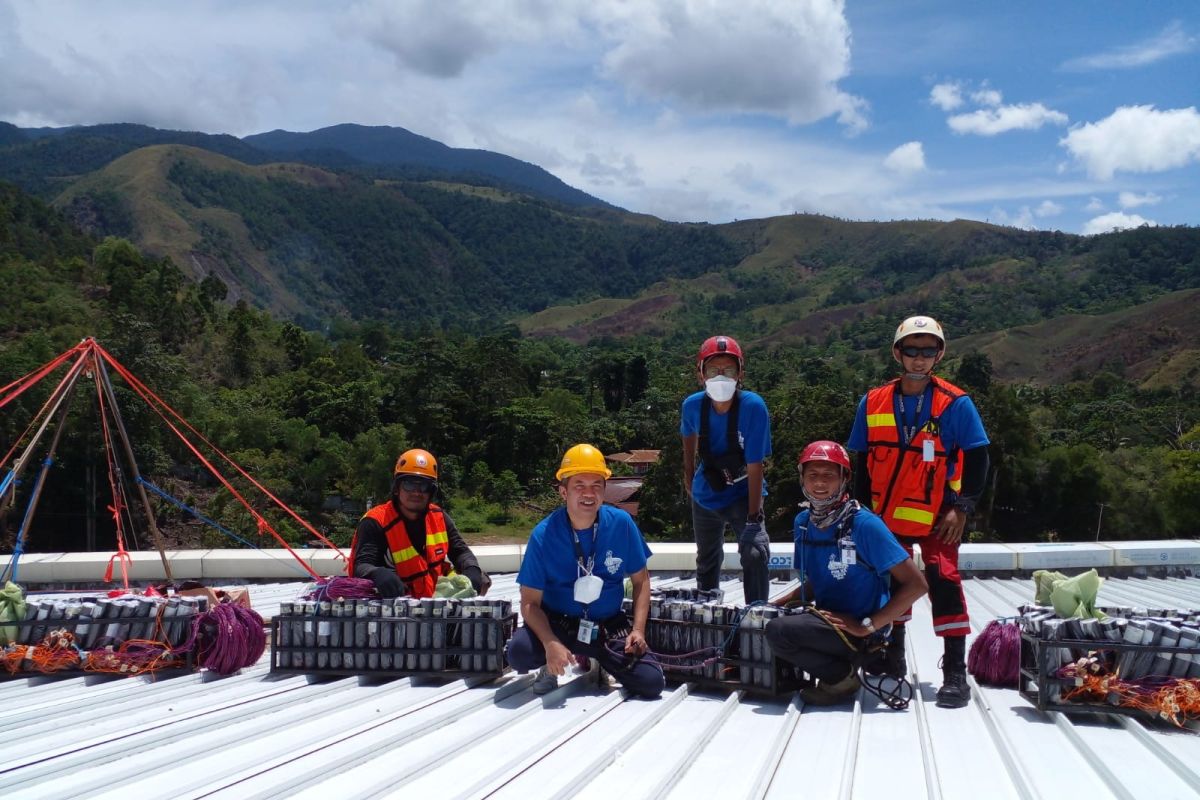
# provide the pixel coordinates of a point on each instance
(416, 485)
(923, 352)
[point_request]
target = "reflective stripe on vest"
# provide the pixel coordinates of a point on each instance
(907, 491)
(419, 571)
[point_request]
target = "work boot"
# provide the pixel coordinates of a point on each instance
(954, 692)
(827, 693)
(890, 661)
(544, 682)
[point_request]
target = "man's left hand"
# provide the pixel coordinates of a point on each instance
(848, 623)
(949, 529)
(635, 643)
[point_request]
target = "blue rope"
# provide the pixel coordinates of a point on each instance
(19, 545)
(8, 478)
(205, 519)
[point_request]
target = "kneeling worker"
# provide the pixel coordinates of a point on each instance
(573, 581)
(845, 555)
(407, 543)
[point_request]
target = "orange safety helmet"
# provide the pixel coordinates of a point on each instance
(417, 462)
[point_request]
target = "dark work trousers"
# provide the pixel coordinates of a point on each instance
(813, 645)
(709, 526)
(945, 585)
(644, 678)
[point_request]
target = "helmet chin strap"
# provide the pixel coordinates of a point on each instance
(821, 509)
(916, 376)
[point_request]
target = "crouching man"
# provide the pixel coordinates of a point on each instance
(572, 584)
(845, 556)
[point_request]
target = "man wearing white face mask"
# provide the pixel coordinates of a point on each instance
(726, 434)
(573, 581)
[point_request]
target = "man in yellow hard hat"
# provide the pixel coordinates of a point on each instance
(405, 544)
(922, 465)
(572, 584)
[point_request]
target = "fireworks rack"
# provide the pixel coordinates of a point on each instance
(1153, 644)
(392, 638)
(100, 626)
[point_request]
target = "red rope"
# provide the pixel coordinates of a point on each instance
(152, 399)
(115, 508)
(49, 400)
(31, 378)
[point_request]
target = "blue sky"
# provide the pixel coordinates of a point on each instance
(1076, 116)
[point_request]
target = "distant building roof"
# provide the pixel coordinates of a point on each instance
(635, 457)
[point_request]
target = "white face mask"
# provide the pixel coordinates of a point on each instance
(720, 388)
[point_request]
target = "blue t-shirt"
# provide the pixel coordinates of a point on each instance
(754, 430)
(550, 564)
(961, 427)
(860, 588)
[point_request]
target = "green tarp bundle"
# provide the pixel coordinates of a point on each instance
(458, 586)
(12, 609)
(1071, 597)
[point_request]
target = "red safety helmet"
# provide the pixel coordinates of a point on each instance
(720, 346)
(825, 450)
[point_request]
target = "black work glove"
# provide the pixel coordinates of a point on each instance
(754, 544)
(387, 582)
(479, 579)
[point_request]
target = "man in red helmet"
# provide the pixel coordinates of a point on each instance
(405, 544)
(922, 465)
(851, 568)
(726, 434)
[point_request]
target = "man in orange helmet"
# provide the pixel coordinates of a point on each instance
(407, 543)
(922, 465)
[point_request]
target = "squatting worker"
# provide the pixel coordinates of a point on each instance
(922, 465)
(851, 568)
(405, 544)
(573, 581)
(726, 434)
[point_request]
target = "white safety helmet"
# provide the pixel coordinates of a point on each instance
(919, 324)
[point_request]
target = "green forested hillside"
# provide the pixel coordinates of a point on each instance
(1079, 351)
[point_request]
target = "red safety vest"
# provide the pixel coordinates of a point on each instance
(906, 490)
(419, 571)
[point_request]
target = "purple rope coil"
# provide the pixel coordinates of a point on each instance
(342, 588)
(226, 638)
(995, 657)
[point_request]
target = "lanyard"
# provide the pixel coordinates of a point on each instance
(586, 569)
(909, 431)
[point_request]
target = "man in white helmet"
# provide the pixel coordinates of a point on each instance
(922, 465)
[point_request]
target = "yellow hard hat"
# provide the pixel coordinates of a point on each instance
(919, 324)
(582, 459)
(417, 462)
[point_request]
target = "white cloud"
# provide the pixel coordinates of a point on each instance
(987, 97)
(993, 121)
(1094, 205)
(1047, 208)
(1173, 40)
(1023, 218)
(946, 96)
(1133, 199)
(783, 59)
(907, 159)
(1136, 139)
(1114, 220)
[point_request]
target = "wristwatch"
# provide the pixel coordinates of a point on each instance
(964, 505)
(868, 624)
(757, 517)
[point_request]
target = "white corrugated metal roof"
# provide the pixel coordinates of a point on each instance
(256, 735)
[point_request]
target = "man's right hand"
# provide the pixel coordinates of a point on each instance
(387, 582)
(558, 658)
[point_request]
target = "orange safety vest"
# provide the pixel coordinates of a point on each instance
(906, 490)
(419, 571)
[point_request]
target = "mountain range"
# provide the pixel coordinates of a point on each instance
(379, 223)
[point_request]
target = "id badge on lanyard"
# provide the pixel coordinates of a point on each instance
(849, 552)
(587, 586)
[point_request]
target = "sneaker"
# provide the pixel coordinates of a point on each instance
(544, 682)
(831, 694)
